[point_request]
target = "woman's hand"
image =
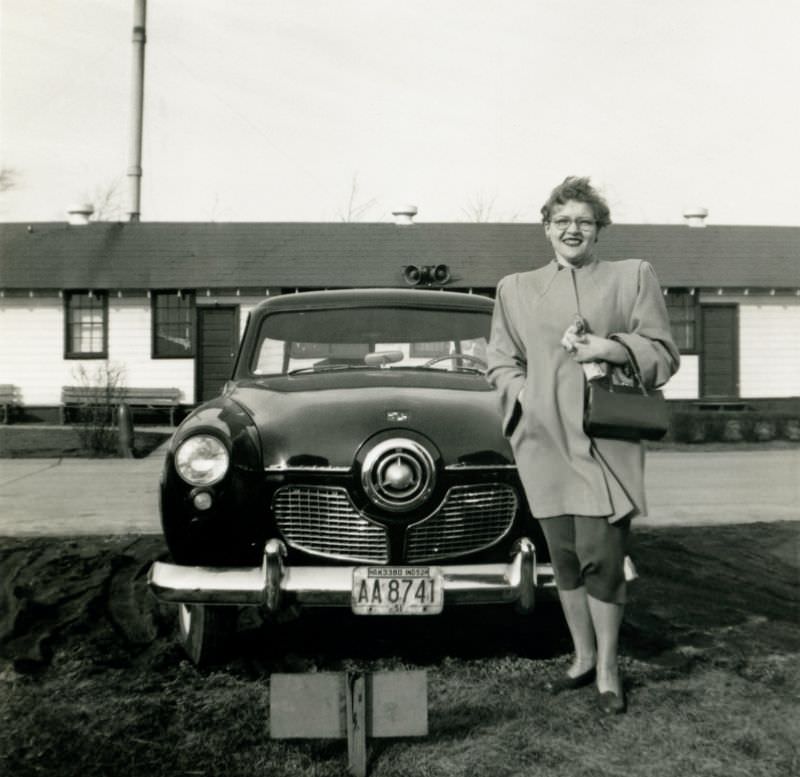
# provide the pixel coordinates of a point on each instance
(573, 335)
(591, 348)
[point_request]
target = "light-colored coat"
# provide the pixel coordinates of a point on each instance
(541, 387)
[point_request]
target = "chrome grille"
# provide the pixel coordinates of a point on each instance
(471, 518)
(322, 520)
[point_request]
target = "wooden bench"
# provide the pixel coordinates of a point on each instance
(9, 400)
(148, 398)
(722, 406)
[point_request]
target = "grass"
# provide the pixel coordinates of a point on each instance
(710, 657)
(486, 718)
(28, 441)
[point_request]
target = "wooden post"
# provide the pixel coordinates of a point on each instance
(125, 431)
(356, 721)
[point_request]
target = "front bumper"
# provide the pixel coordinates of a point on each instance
(274, 585)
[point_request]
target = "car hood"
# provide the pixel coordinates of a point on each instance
(327, 425)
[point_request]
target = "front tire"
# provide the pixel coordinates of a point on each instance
(205, 631)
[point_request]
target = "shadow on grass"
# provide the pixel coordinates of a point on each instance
(328, 640)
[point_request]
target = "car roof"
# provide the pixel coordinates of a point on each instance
(343, 298)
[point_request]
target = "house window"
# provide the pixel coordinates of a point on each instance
(682, 309)
(86, 330)
(173, 324)
(431, 350)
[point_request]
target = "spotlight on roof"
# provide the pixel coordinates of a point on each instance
(426, 275)
(441, 274)
(412, 275)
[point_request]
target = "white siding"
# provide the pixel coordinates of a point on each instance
(32, 350)
(129, 347)
(769, 348)
(685, 383)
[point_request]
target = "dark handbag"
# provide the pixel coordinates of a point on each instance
(623, 412)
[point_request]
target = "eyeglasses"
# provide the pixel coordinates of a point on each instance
(584, 225)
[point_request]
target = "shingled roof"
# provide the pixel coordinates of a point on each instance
(152, 255)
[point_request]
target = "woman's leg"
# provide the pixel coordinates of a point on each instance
(559, 532)
(575, 604)
(601, 548)
(606, 619)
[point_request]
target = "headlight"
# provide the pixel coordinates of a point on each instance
(202, 460)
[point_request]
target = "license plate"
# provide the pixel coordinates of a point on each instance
(397, 591)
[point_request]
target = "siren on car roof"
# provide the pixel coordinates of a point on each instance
(426, 275)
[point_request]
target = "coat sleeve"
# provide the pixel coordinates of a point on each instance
(649, 338)
(508, 365)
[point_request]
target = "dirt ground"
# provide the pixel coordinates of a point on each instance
(73, 610)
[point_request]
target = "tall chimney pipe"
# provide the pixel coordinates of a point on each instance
(137, 109)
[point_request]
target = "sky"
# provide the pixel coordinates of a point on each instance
(268, 110)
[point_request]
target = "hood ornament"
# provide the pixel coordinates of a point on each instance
(398, 474)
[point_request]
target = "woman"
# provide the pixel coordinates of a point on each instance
(584, 491)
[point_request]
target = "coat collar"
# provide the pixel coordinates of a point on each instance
(552, 270)
(559, 266)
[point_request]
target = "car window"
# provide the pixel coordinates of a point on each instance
(395, 338)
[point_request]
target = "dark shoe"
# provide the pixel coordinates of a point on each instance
(609, 703)
(567, 683)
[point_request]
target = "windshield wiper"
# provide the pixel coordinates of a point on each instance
(326, 368)
(472, 370)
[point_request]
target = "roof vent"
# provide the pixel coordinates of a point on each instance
(695, 217)
(404, 215)
(79, 214)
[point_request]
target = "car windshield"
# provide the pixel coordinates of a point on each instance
(372, 337)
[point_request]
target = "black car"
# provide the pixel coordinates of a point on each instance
(354, 460)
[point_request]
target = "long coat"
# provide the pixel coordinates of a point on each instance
(541, 387)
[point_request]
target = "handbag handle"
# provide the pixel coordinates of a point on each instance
(634, 366)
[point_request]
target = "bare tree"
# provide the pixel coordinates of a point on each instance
(107, 200)
(480, 209)
(355, 209)
(8, 178)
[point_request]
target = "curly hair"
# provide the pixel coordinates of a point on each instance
(579, 190)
